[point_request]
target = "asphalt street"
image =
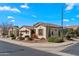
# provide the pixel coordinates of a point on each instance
(8, 49)
(74, 49)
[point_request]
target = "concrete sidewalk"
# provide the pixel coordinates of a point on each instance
(44, 45)
(47, 47)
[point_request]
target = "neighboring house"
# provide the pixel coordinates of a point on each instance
(26, 31)
(45, 30)
(75, 28)
(14, 30)
(72, 27)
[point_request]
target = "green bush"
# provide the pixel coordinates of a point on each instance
(68, 37)
(55, 39)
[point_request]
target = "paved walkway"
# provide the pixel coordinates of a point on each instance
(47, 47)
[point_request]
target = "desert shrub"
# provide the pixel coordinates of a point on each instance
(68, 37)
(30, 39)
(21, 38)
(26, 36)
(4, 34)
(13, 36)
(55, 39)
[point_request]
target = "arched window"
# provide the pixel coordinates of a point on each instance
(40, 31)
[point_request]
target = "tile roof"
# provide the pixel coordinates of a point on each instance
(72, 27)
(46, 24)
(29, 27)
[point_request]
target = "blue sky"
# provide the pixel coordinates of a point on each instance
(30, 13)
(71, 14)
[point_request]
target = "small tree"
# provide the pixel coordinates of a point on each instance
(5, 28)
(13, 36)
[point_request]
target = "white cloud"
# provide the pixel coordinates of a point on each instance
(24, 6)
(66, 20)
(10, 17)
(34, 16)
(67, 25)
(12, 20)
(8, 8)
(69, 6)
(72, 19)
(77, 15)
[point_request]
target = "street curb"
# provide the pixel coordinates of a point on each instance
(31, 44)
(24, 44)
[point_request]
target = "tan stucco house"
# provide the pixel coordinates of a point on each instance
(41, 30)
(26, 31)
(45, 30)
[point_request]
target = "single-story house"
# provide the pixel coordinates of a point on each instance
(26, 31)
(46, 30)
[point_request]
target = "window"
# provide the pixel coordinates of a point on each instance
(40, 31)
(27, 32)
(52, 32)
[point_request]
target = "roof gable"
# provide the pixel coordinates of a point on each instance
(46, 24)
(28, 27)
